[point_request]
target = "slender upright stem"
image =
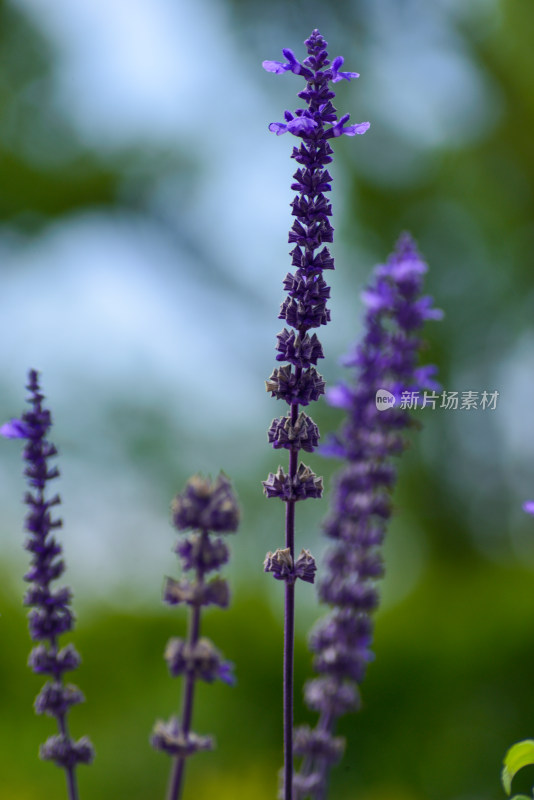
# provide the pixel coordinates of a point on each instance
(70, 772)
(289, 638)
(61, 719)
(289, 632)
(72, 786)
(178, 768)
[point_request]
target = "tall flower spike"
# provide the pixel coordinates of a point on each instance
(203, 506)
(299, 383)
(361, 502)
(51, 614)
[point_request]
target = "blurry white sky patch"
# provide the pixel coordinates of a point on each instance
(106, 296)
(131, 69)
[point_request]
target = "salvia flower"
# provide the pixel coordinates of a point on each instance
(386, 359)
(298, 383)
(50, 614)
(204, 507)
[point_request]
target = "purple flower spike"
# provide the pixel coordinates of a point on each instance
(50, 614)
(203, 506)
(298, 383)
(528, 506)
(361, 504)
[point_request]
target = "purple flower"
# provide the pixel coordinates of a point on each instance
(206, 506)
(202, 659)
(304, 485)
(170, 738)
(203, 506)
(50, 614)
(15, 429)
(338, 76)
(349, 130)
(302, 123)
(281, 564)
(298, 383)
(386, 359)
(528, 506)
(291, 65)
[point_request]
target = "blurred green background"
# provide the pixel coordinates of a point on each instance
(144, 214)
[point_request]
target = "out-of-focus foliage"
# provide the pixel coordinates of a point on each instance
(520, 755)
(45, 171)
(449, 690)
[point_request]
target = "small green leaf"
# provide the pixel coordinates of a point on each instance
(518, 756)
(521, 797)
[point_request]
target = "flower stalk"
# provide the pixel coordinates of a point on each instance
(50, 614)
(298, 383)
(361, 504)
(203, 507)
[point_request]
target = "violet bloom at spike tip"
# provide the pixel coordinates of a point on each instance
(361, 505)
(298, 383)
(50, 614)
(528, 506)
(203, 506)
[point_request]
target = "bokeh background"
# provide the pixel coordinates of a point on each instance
(143, 223)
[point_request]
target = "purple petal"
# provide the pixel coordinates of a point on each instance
(290, 55)
(350, 130)
(528, 506)
(337, 75)
(424, 377)
(301, 125)
(404, 268)
(275, 66)
(15, 429)
(332, 448)
(278, 127)
(424, 308)
(346, 75)
(359, 128)
(226, 673)
(378, 297)
(292, 63)
(339, 396)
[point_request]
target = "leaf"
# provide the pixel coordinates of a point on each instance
(518, 756)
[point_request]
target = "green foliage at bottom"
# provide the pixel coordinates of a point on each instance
(449, 689)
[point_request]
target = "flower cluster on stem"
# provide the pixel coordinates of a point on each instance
(297, 382)
(50, 614)
(361, 502)
(204, 506)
